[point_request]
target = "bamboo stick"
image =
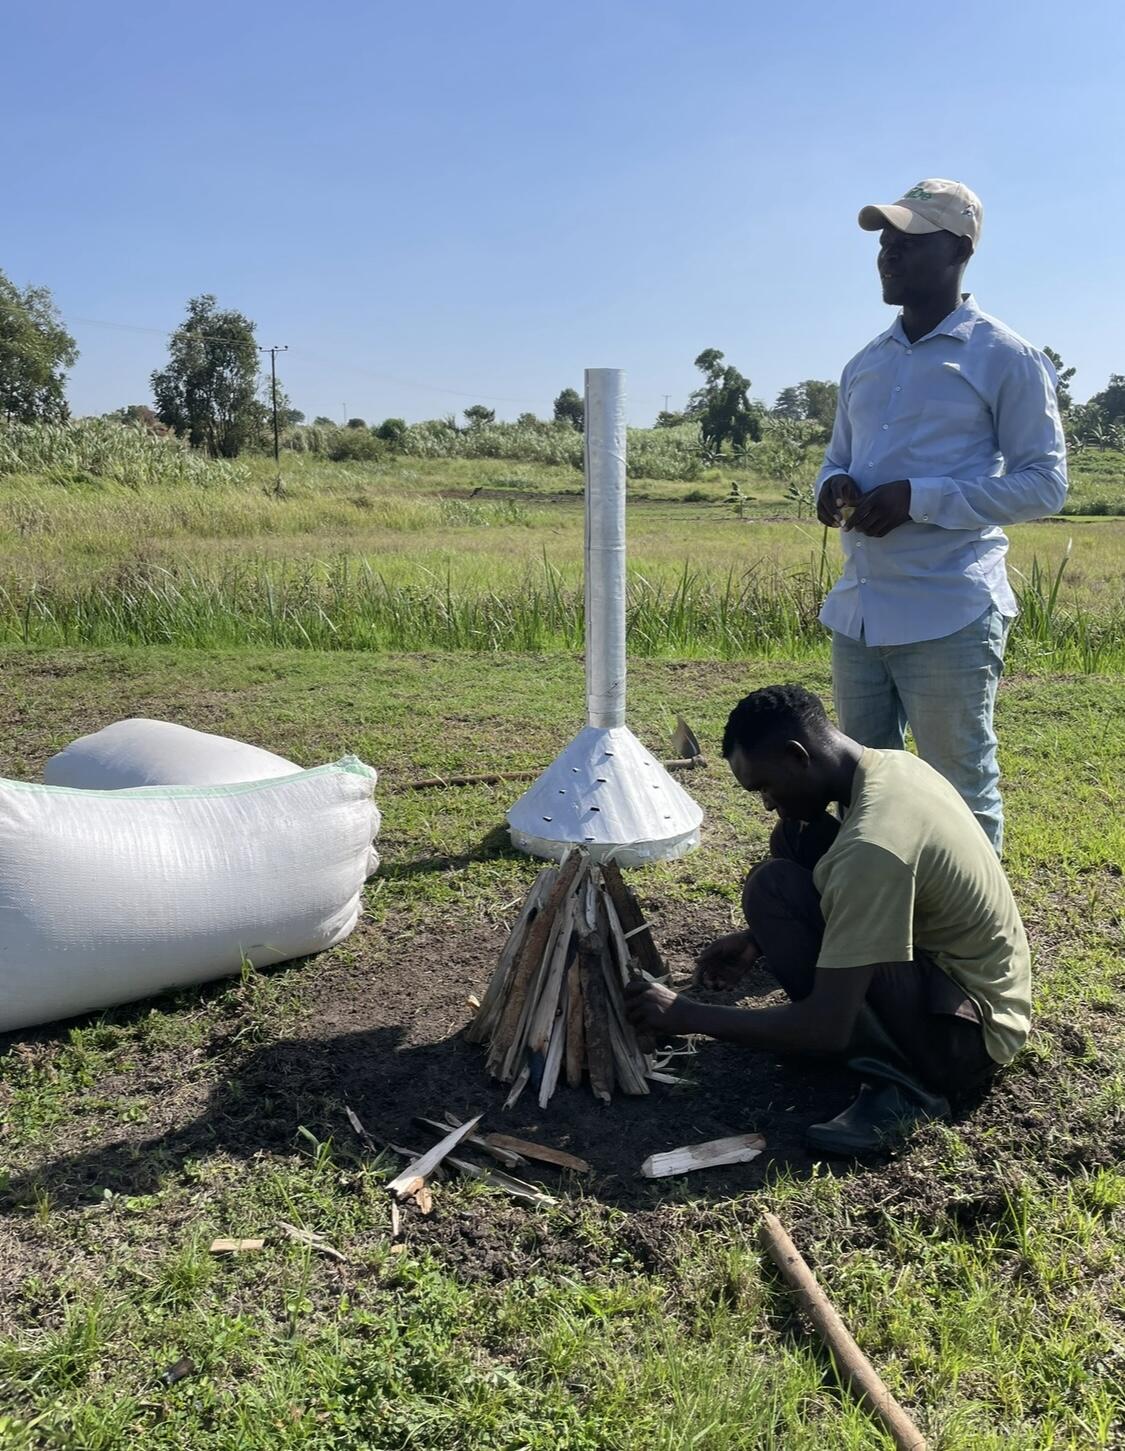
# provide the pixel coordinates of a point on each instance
(853, 1367)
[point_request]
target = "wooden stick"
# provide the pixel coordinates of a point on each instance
(478, 1141)
(314, 1241)
(599, 1050)
(555, 1050)
(492, 1006)
(530, 958)
(529, 1150)
(499, 1180)
(739, 1149)
(518, 1086)
(852, 1366)
(406, 1184)
(636, 930)
(575, 1028)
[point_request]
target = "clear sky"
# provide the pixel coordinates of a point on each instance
(486, 198)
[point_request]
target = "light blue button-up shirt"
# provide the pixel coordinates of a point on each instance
(969, 415)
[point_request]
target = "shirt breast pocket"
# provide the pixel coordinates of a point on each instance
(955, 427)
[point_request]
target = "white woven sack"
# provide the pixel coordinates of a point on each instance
(110, 896)
(159, 753)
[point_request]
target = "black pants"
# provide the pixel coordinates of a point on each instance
(933, 1022)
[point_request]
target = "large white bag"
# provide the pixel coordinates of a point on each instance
(159, 753)
(110, 896)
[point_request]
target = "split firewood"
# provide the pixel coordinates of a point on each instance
(314, 1241)
(638, 934)
(396, 1220)
(361, 1133)
(499, 1180)
(529, 1150)
(492, 1004)
(527, 965)
(575, 1028)
(599, 1049)
(414, 1176)
(424, 1200)
(478, 1141)
(538, 1016)
(521, 1082)
(739, 1149)
(235, 1246)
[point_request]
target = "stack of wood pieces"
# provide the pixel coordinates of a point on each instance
(555, 1003)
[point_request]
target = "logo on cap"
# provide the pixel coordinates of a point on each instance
(919, 194)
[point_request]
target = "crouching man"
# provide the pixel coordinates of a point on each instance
(893, 930)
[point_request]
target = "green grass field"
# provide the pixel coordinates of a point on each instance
(450, 554)
(980, 1267)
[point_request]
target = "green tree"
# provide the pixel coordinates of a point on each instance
(790, 403)
(1063, 375)
(35, 352)
(1110, 402)
(287, 415)
(820, 401)
(722, 404)
(208, 392)
(668, 418)
(392, 431)
(138, 415)
(356, 423)
(570, 408)
(323, 421)
(813, 401)
(478, 415)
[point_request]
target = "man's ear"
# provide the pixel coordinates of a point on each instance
(796, 755)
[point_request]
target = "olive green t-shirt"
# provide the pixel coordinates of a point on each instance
(912, 870)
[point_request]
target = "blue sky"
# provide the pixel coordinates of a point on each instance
(485, 199)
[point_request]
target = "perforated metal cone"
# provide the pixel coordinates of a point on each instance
(608, 794)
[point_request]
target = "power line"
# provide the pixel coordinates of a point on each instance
(313, 358)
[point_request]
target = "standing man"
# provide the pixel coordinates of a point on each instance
(947, 428)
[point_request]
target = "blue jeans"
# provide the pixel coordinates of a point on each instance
(946, 690)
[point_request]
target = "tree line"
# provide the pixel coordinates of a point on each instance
(211, 391)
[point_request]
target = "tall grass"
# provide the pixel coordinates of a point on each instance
(764, 611)
(94, 448)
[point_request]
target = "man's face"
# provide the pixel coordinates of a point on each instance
(912, 267)
(785, 776)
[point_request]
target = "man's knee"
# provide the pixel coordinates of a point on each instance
(777, 886)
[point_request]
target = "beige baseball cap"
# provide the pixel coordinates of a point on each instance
(931, 206)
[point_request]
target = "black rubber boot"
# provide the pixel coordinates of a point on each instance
(887, 1108)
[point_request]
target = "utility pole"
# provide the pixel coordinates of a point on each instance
(666, 397)
(273, 352)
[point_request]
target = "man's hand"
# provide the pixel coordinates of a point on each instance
(837, 493)
(657, 1010)
(881, 510)
(723, 963)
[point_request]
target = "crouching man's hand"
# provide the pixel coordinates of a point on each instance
(657, 1010)
(723, 963)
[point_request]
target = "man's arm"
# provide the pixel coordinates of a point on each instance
(821, 1023)
(837, 462)
(1030, 436)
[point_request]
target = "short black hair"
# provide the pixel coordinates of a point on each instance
(774, 713)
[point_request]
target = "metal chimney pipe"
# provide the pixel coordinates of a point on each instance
(605, 547)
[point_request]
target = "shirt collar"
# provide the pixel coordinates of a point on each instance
(959, 324)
